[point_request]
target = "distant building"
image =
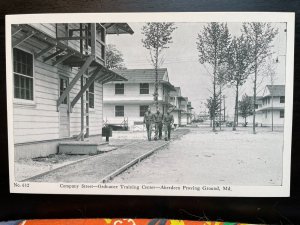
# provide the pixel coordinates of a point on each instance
(182, 108)
(277, 92)
(126, 102)
(258, 115)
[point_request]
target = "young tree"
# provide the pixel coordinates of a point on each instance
(213, 46)
(239, 65)
(246, 107)
(260, 37)
(157, 38)
(213, 106)
(221, 82)
(271, 74)
(114, 58)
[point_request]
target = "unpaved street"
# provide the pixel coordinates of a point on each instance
(204, 157)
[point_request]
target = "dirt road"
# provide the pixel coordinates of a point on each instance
(204, 157)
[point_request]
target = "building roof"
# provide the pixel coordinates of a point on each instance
(143, 75)
(275, 90)
(176, 92)
(117, 28)
(258, 99)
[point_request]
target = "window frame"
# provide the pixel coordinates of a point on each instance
(59, 94)
(91, 93)
(280, 99)
(144, 89)
(116, 111)
(119, 88)
(146, 106)
(281, 113)
(22, 101)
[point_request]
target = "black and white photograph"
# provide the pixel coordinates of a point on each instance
(182, 104)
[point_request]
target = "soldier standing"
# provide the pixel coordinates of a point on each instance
(168, 122)
(158, 119)
(148, 120)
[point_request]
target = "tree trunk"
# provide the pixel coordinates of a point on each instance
(236, 107)
(254, 96)
(224, 109)
(220, 110)
(214, 97)
(156, 88)
(156, 72)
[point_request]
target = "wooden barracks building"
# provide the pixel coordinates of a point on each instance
(58, 76)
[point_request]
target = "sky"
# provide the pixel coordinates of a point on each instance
(181, 60)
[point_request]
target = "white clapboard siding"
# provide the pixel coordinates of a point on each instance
(35, 138)
(35, 124)
(40, 121)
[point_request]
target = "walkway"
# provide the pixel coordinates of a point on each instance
(96, 169)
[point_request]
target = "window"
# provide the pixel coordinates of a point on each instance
(281, 113)
(92, 96)
(282, 99)
(119, 89)
(23, 74)
(268, 100)
(144, 88)
(143, 109)
(62, 86)
(119, 110)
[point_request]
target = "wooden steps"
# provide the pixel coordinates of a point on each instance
(80, 147)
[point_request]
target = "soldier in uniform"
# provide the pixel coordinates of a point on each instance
(148, 120)
(168, 122)
(158, 119)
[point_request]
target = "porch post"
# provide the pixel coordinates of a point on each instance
(82, 111)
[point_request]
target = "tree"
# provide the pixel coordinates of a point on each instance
(213, 106)
(260, 37)
(270, 73)
(246, 107)
(221, 82)
(157, 38)
(239, 65)
(213, 46)
(114, 58)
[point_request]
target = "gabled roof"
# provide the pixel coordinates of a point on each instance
(275, 90)
(143, 75)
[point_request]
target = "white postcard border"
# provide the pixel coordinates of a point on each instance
(236, 191)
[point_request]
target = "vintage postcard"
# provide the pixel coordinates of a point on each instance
(174, 104)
